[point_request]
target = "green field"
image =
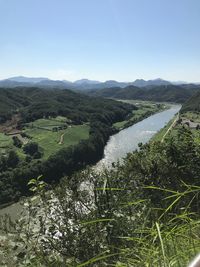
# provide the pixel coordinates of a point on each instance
(49, 140)
(41, 132)
(48, 124)
(6, 143)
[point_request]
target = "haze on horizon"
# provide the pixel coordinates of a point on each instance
(100, 40)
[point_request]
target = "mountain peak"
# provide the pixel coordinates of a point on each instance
(86, 81)
(23, 79)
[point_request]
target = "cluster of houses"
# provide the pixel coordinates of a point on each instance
(191, 124)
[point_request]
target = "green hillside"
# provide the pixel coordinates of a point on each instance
(193, 104)
(35, 103)
(51, 131)
(164, 93)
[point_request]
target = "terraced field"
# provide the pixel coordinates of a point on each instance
(50, 134)
(49, 141)
(5, 143)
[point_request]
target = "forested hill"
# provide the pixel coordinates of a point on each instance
(21, 156)
(163, 93)
(34, 103)
(193, 104)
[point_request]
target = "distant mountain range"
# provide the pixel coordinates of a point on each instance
(22, 79)
(83, 84)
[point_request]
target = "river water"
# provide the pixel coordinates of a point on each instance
(127, 140)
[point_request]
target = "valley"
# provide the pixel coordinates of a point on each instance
(141, 148)
(57, 132)
(52, 134)
(99, 133)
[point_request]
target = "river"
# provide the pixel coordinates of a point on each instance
(127, 140)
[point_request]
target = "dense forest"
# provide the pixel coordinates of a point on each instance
(34, 103)
(163, 93)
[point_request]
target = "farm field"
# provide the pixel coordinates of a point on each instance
(48, 124)
(5, 143)
(50, 141)
(50, 134)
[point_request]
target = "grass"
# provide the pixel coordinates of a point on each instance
(189, 116)
(173, 132)
(49, 140)
(40, 131)
(195, 117)
(119, 125)
(48, 124)
(6, 143)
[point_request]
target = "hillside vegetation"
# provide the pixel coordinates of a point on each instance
(193, 104)
(53, 132)
(144, 212)
(163, 93)
(36, 103)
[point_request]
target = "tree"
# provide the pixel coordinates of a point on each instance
(17, 142)
(31, 148)
(13, 159)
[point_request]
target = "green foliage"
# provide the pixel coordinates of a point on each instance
(49, 141)
(35, 103)
(193, 104)
(75, 153)
(17, 142)
(13, 159)
(163, 93)
(37, 185)
(144, 110)
(144, 212)
(32, 149)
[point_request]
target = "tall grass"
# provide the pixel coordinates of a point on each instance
(161, 238)
(172, 240)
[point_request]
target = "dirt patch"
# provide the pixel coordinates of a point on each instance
(11, 126)
(61, 139)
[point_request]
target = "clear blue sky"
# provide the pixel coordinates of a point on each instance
(100, 39)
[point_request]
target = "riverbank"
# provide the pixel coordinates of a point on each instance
(127, 139)
(145, 109)
(190, 120)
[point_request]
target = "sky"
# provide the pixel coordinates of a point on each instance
(101, 40)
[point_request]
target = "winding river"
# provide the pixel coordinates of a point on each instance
(127, 140)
